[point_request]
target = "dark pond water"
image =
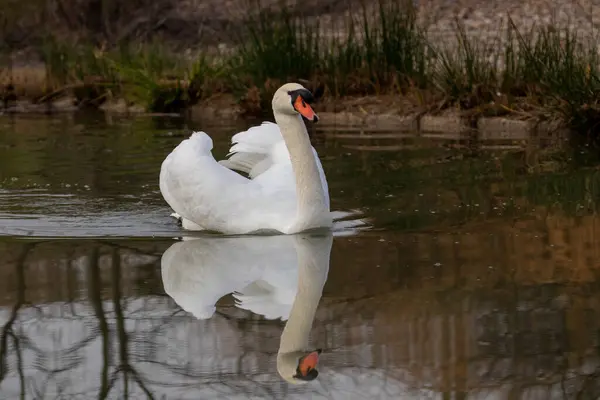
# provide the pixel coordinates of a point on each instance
(476, 276)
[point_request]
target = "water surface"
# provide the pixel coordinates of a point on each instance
(477, 278)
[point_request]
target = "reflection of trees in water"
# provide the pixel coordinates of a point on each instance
(123, 367)
(8, 333)
(531, 340)
(55, 364)
(127, 347)
(537, 341)
(115, 347)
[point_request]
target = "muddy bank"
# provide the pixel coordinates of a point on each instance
(392, 114)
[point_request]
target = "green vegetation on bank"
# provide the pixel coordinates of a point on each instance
(548, 72)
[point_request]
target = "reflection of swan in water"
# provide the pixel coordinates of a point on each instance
(275, 276)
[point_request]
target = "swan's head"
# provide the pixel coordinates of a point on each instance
(299, 366)
(293, 99)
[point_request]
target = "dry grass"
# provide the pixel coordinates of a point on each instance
(29, 82)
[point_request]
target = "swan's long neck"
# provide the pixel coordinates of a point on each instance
(309, 189)
(313, 264)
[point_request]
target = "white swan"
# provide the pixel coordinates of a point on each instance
(275, 276)
(286, 190)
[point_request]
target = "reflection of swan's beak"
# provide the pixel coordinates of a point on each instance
(307, 365)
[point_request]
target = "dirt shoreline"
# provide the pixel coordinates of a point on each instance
(365, 114)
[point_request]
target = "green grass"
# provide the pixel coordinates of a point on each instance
(142, 74)
(545, 72)
(369, 57)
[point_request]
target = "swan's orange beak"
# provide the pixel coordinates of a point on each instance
(308, 363)
(305, 109)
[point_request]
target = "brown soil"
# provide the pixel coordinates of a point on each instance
(381, 104)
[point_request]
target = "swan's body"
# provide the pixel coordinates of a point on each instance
(286, 190)
(275, 276)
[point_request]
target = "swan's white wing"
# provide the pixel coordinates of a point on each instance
(251, 150)
(203, 191)
(197, 273)
(262, 154)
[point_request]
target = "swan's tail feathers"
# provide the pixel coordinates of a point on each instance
(200, 142)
